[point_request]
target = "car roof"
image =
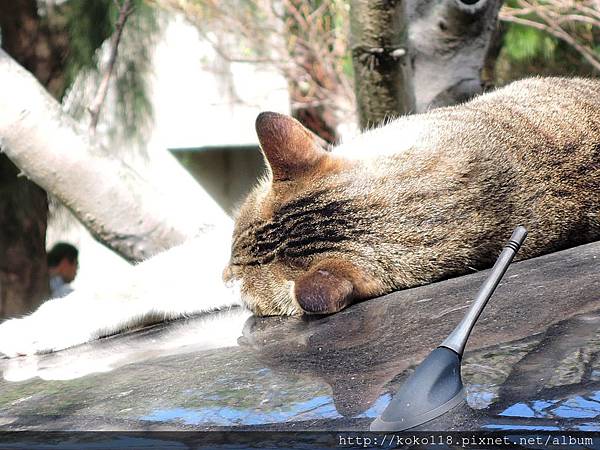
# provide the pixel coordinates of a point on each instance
(532, 362)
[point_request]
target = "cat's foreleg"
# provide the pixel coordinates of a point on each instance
(183, 281)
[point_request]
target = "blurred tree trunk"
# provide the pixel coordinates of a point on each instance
(23, 205)
(414, 55)
(35, 45)
(382, 78)
(23, 214)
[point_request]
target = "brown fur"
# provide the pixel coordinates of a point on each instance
(322, 231)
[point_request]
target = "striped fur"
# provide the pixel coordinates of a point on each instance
(423, 198)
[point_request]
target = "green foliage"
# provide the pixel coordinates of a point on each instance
(87, 24)
(522, 43)
(529, 51)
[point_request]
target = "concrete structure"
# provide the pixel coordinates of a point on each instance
(227, 173)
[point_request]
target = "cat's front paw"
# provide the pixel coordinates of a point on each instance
(17, 338)
(48, 329)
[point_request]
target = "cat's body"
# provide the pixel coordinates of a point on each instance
(423, 198)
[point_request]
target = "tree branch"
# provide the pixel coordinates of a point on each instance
(125, 211)
(124, 12)
(551, 16)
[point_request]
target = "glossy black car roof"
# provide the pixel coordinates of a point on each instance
(533, 362)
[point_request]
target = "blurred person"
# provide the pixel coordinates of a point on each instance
(62, 268)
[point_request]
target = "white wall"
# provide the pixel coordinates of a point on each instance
(198, 99)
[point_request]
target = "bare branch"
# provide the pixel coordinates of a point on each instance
(560, 18)
(104, 193)
(125, 11)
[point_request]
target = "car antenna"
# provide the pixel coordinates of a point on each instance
(435, 387)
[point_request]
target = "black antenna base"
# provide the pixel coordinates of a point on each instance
(434, 388)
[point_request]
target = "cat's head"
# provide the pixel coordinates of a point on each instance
(303, 237)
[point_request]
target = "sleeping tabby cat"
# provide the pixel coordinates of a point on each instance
(420, 199)
(423, 198)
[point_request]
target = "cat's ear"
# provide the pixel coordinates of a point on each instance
(328, 287)
(290, 149)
